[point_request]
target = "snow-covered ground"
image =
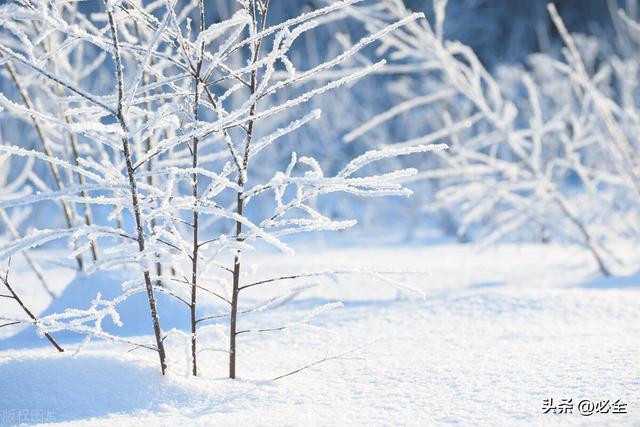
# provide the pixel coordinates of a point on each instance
(497, 332)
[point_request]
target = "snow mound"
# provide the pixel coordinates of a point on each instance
(68, 388)
(134, 312)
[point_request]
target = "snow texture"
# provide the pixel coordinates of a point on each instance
(485, 346)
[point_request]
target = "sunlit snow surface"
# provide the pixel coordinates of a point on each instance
(497, 332)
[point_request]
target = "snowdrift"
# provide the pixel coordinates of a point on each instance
(134, 312)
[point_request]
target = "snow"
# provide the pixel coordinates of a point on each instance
(369, 332)
(80, 293)
(498, 331)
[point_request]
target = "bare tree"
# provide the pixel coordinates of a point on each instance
(519, 140)
(182, 146)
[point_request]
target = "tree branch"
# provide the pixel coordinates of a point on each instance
(28, 312)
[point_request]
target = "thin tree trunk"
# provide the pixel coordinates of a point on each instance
(134, 193)
(196, 214)
(586, 236)
(194, 258)
(236, 289)
(567, 212)
(233, 327)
